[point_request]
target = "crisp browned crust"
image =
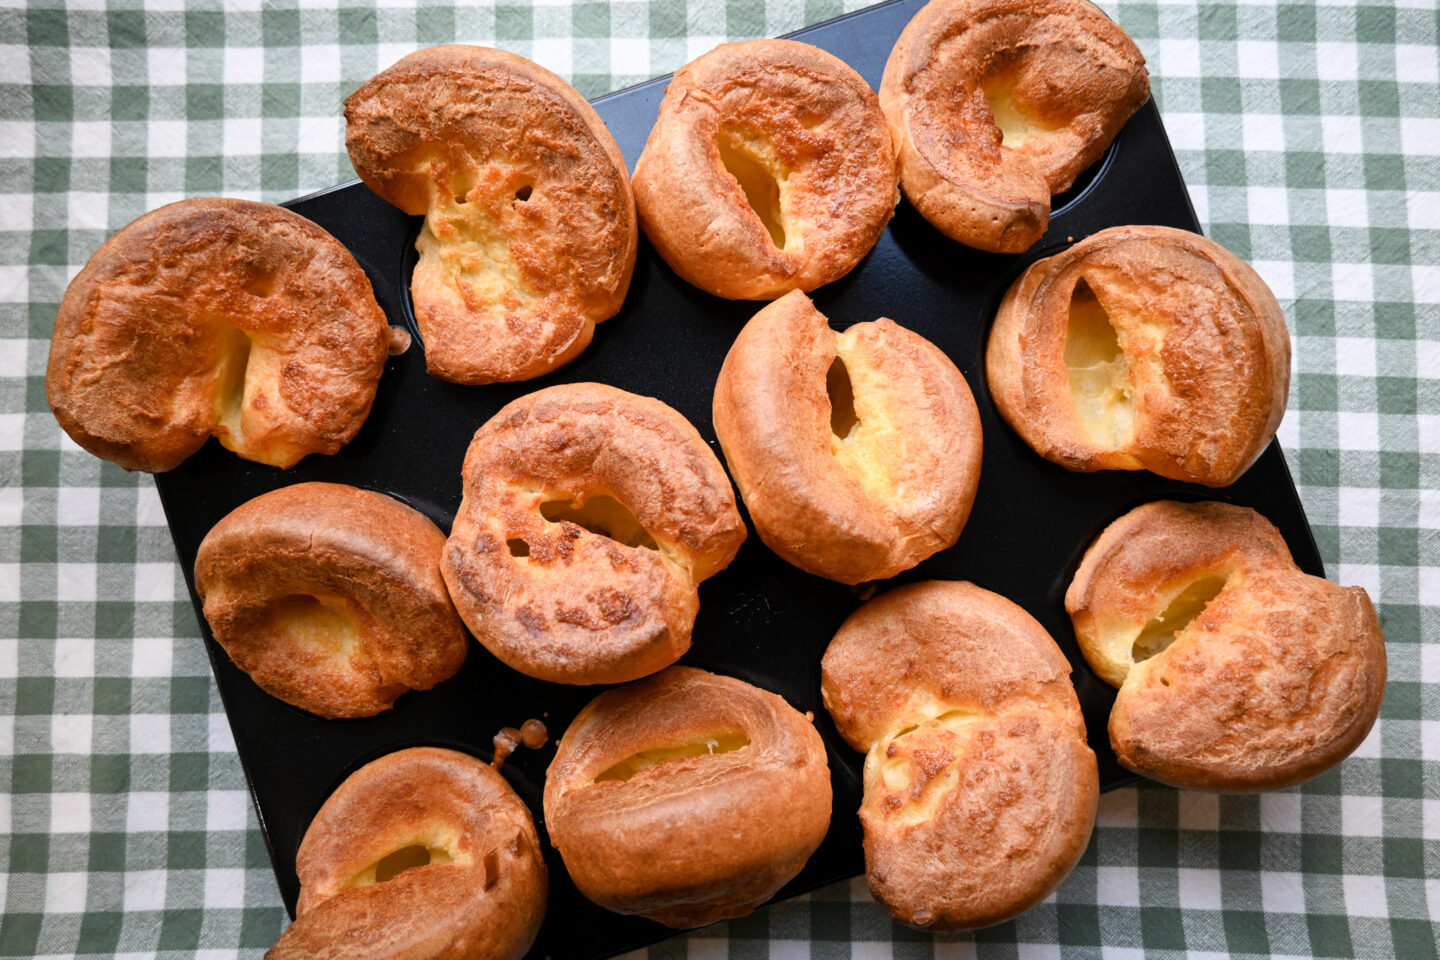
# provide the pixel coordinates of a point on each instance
(1205, 356)
(1277, 679)
(697, 837)
(330, 598)
(810, 127)
(556, 600)
(530, 231)
(980, 790)
(481, 897)
(1061, 79)
(176, 312)
(895, 490)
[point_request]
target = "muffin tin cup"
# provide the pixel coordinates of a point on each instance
(760, 620)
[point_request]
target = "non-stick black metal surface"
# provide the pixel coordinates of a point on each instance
(760, 620)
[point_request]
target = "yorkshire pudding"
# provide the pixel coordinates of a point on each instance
(995, 105)
(530, 233)
(1236, 670)
(768, 170)
(1142, 348)
(589, 518)
(424, 853)
(857, 453)
(330, 598)
(223, 318)
(687, 797)
(980, 791)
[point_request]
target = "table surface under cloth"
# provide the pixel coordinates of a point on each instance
(1310, 138)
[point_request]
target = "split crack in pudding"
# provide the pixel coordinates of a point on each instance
(687, 797)
(1237, 671)
(330, 598)
(589, 518)
(979, 789)
(996, 105)
(422, 853)
(530, 230)
(769, 169)
(216, 317)
(1142, 348)
(857, 453)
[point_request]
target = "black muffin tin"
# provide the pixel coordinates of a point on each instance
(760, 620)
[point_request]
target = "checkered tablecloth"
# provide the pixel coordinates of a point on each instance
(1310, 137)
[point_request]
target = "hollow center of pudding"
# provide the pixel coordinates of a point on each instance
(235, 346)
(599, 514)
(842, 399)
(406, 858)
(1015, 123)
(244, 420)
(321, 625)
(1095, 361)
(757, 168)
(1160, 631)
(398, 861)
(645, 759)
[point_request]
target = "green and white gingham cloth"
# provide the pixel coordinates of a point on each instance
(1310, 137)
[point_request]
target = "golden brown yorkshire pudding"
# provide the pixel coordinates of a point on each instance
(1236, 670)
(424, 854)
(1142, 348)
(857, 453)
(530, 232)
(687, 797)
(995, 105)
(213, 317)
(768, 170)
(330, 598)
(980, 791)
(590, 516)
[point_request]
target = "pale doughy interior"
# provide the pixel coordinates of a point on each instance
(323, 628)
(249, 367)
(439, 844)
(1099, 373)
(1162, 629)
(464, 245)
(873, 441)
(603, 515)
(905, 761)
(1176, 607)
(717, 743)
(230, 384)
(755, 165)
(1016, 125)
